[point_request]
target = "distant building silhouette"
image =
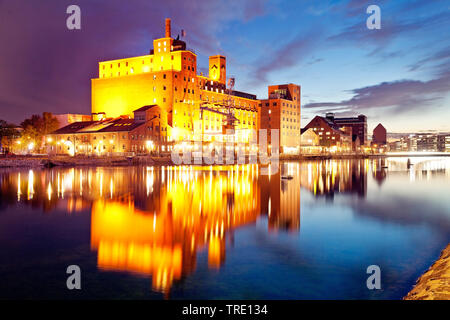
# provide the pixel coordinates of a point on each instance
(379, 135)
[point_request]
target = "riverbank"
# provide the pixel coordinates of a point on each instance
(68, 161)
(434, 284)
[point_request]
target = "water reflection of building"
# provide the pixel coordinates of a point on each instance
(179, 211)
(280, 198)
(335, 176)
(179, 214)
(46, 189)
(155, 221)
(379, 173)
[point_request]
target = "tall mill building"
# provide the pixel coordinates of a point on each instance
(185, 105)
(281, 111)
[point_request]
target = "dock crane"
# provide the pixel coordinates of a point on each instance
(227, 104)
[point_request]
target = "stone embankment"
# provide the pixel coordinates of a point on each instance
(434, 284)
(66, 161)
(20, 162)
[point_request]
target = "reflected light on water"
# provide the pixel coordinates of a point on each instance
(30, 189)
(154, 221)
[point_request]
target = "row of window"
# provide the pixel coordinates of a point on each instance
(293, 134)
(284, 104)
(291, 127)
(292, 113)
(289, 119)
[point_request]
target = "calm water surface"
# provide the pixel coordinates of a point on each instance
(223, 232)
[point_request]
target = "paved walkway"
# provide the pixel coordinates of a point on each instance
(435, 283)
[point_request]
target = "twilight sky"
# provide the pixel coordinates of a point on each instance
(398, 75)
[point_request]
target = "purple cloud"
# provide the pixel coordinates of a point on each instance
(435, 57)
(391, 28)
(287, 55)
(47, 67)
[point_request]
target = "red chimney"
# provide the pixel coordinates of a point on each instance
(168, 28)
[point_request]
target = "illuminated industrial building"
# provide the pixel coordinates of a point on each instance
(310, 142)
(68, 118)
(357, 126)
(331, 136)
(191, 107)
(281, 111)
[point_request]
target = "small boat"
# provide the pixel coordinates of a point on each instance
(287, 177)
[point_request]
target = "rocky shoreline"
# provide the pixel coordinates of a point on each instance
(434, 284)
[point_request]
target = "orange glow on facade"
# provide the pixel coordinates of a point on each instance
(190, 107)
(168, 78)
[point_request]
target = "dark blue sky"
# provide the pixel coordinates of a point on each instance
(398, 75)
